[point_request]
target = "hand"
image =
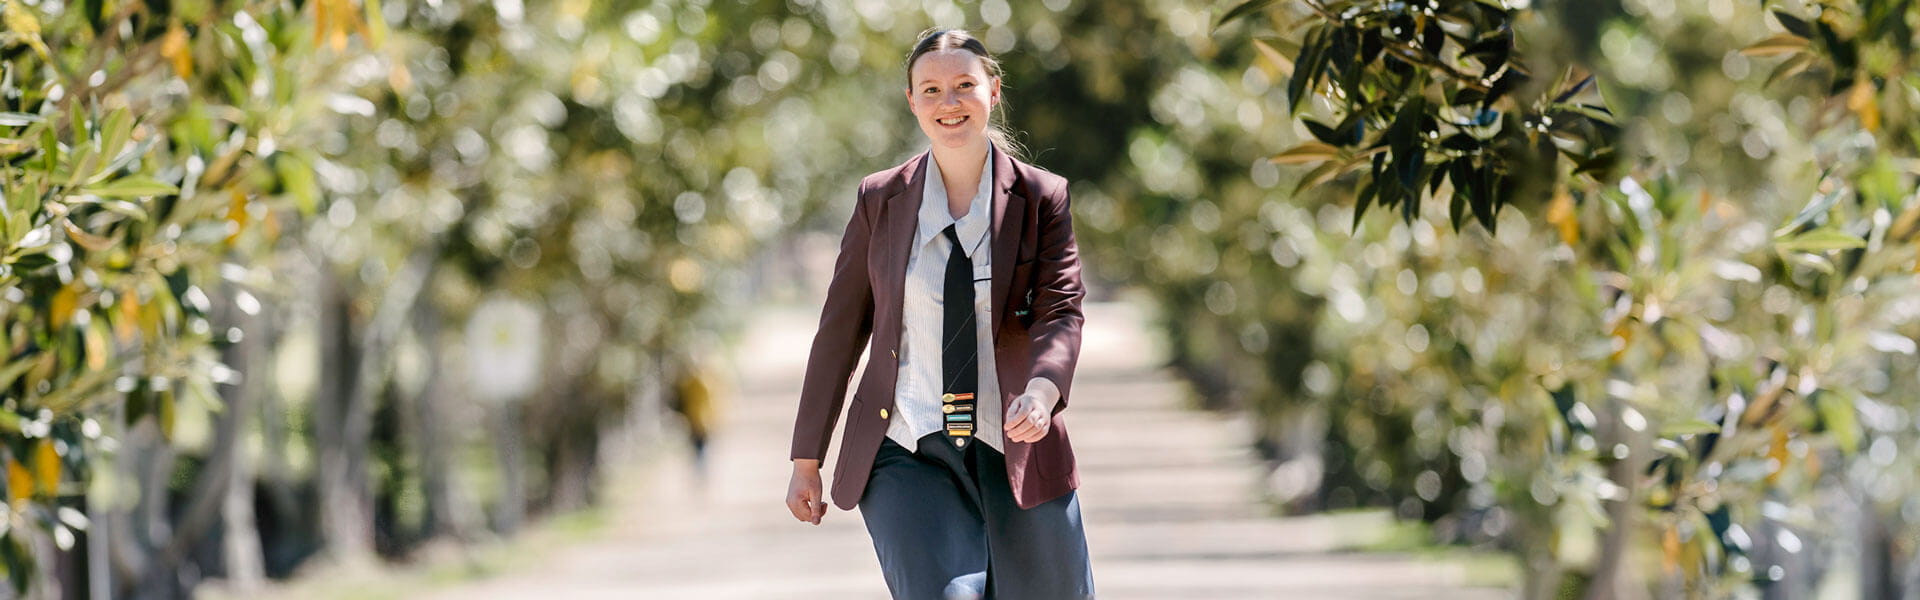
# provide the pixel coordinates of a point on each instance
(803, 491)
(1029, 417)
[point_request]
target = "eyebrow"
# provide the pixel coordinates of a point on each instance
(927, 81)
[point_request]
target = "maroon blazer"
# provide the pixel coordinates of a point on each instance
(1036, 314)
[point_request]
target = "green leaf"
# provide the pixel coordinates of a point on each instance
(1793, 24)
(138, 185)
(1837, 418)
(1688, 427)
(1820, 240)
(18, 119)
(1306, 153)
(1307, 69)
(1237, 12)
(1811, 215)
(114, 132)
(1778, 44)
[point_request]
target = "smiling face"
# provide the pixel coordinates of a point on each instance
(952, 97)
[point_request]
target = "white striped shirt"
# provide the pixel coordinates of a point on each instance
(917, 391)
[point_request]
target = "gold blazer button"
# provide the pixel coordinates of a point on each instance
(883, 413)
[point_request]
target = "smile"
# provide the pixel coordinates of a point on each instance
(952, 121)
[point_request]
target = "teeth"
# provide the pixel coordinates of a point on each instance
(951, 120)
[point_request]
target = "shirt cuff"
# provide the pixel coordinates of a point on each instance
(1043, 389)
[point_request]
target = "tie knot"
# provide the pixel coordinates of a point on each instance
(953, 234)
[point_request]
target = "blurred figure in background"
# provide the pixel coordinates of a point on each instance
(696, 397)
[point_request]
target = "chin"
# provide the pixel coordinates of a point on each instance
(959, 140)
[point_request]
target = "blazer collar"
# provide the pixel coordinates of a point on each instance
(901, 218)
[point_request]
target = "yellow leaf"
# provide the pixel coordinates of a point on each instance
(1777, 451)
(19, 484)
(1785, 43)
(1860, 101)
(1274, 58)
(236, 213)
(46, 468)
(22, 22)
(343, 19)
(321, 22)
(64, 302)
(128, 325)
(174, 47)
(95, 336)
(1563, 217)
(1670, 549)
(91, 242)
(1306, 153)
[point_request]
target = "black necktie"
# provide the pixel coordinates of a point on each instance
(958, 353)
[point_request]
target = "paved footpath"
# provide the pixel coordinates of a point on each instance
(1169, 495)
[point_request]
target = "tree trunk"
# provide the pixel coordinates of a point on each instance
(341, 421)
(447, 514)
(512, 509)
(240, 534)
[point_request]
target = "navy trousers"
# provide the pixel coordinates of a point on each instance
(945, 526)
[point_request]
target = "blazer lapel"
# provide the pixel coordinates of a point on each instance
(902, 215)
(1009, 218)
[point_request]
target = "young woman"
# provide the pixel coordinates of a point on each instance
(961, 266)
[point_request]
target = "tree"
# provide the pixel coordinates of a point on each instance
(1655, 416)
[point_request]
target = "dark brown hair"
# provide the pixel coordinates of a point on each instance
(933, 40)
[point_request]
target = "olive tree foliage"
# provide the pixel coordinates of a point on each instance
(1679, 361)
(140, 145)
(611, 167)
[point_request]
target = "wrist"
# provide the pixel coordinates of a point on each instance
(1044, 391)
(809, 464)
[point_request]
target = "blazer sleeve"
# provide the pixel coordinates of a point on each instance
(846, 322)
(1057, 294)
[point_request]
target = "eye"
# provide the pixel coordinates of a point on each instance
(932, 90)
(967, 84)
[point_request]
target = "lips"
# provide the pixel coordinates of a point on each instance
(951, 122)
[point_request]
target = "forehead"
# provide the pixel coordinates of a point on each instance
(948, 64)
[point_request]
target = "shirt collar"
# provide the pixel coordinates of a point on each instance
(934, 217)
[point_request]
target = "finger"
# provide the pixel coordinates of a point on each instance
(797, 506)
(819, 510)
(1020, 431)
(1034, 427)
(1030, 435)
(1017, 412)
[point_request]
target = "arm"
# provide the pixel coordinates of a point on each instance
(845, 324)
(1057, 295)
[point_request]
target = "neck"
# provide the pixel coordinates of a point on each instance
(961, 164)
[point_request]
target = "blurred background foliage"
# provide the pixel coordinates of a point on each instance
(1664, 374)
(295, 283)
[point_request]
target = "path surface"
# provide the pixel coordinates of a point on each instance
(1168, 494)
